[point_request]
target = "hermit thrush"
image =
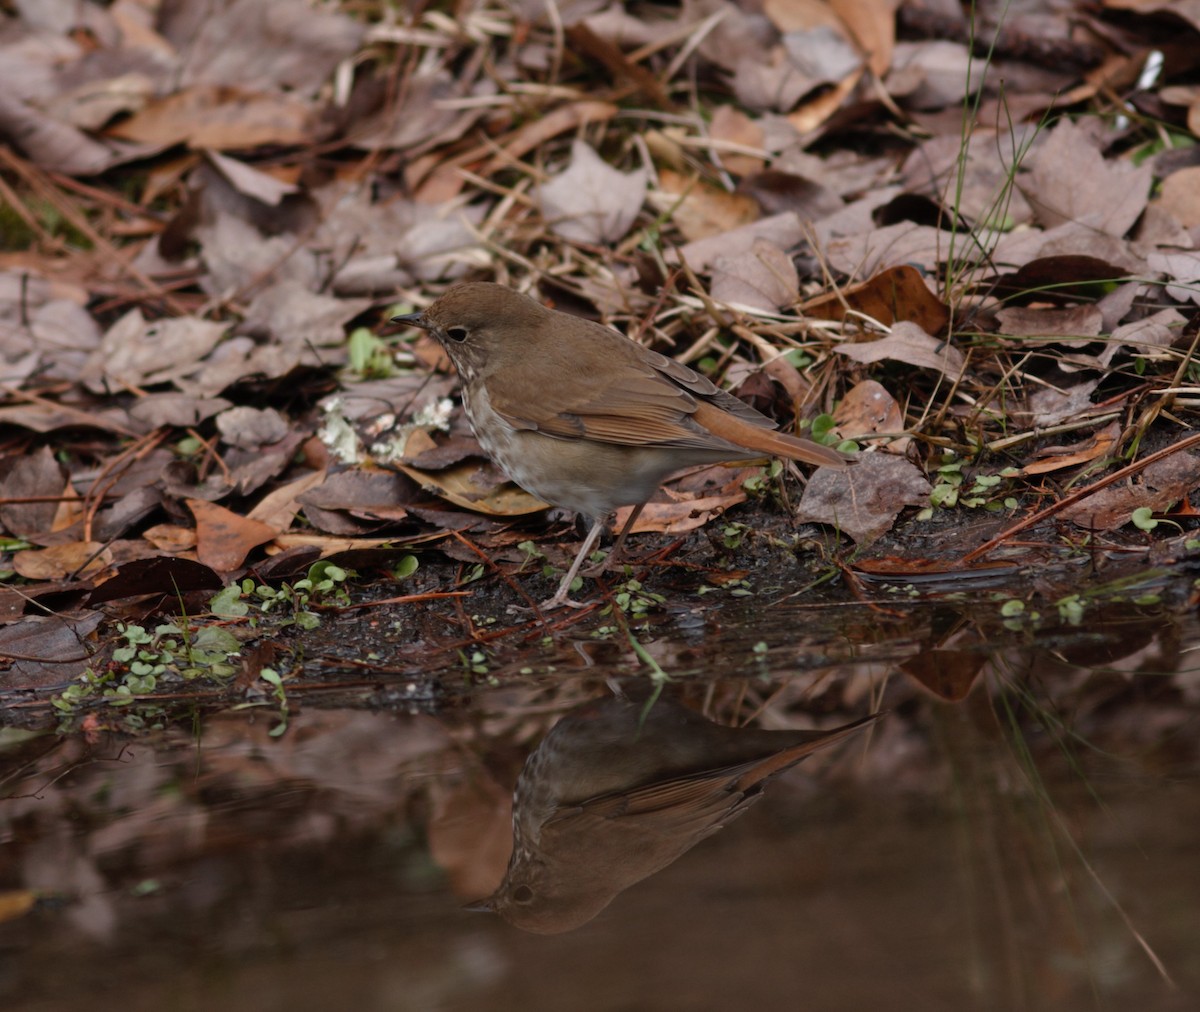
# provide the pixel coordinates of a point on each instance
(583, 417)
(616, 792)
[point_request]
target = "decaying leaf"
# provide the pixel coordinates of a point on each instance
(592, 202)
(863, 501)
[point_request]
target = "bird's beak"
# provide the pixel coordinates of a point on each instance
(412, 319)
(480, 906)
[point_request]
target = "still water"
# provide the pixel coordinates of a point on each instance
(1018, 831)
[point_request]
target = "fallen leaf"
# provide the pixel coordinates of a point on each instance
(223, 538)
(135, 352)
(47, 650)
(763, 277)
(908, 343)
(783, 230)
(251, 428)
(75, 559)
(591, 202)
(250, 181)
(36, 476)
(160, 575)
(1184, 271)
(1073, 325)
(867, 409)
(1071, 181)
(1055, 458)
(679, 514)
(218, 117)
(1162, 484)
(698, 208)
(895, 294)
(457, 485)
(863, 501)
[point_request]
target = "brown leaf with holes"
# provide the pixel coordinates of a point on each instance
(863, 501)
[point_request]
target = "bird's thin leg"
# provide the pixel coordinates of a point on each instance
(561, 596)
(625, 529)
(614, 556)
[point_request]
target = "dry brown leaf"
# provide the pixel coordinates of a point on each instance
(247, 180)
(1185, 10)
(1183, 269)
(783, 230)
(730, 124)
(895, 294)
(929, 75)
(776, 191)
(813, 113)
(1055, 458)
(458, 485)
(763, 277)
(591, 202)
(698, 208)
(678, 515)
(1159, 330)
(770, 82)
(47, 650)
(33, 476)
(874, 250)
(59, 147)
(542, 128)
(863, 501)
(1071, 181)
(218, 117)
(867, 409)
(872, 23)
(799, 15)
(1162, 484)
(73, 559)
(288, 45)
(170, 538)
(1072, 325)
(1051, 405)
(1180, 195)
(278, 508)
(135, 352)
(224, 538)
(909, 343)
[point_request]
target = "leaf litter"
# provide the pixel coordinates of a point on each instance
(968, 251)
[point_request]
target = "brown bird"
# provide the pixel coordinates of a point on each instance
(618, 790)
(581, 416)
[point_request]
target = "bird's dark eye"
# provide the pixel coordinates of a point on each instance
(523, 894)
(458, 334)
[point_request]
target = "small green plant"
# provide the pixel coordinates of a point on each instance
(1144, 520)
(532, 554)
(635, 601)
(369, 356)
(144, 659)
(734, 534)
(290, 603)
(405, 568)
(275, 680)
(1071, 609)
(952, 487)
(759, 484)
(475, 661)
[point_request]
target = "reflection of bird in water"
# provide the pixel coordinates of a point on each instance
(616, 792)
